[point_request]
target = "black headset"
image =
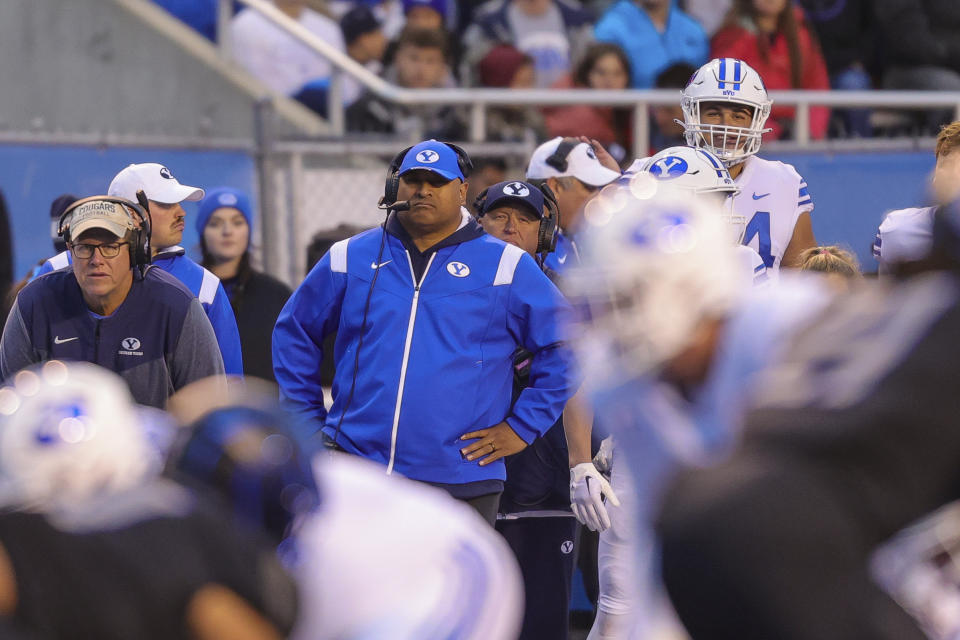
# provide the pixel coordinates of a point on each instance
(140, 256)
(558, 159)
(392, 185)
(549, 224)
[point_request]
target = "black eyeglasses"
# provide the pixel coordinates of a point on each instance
(85, 251)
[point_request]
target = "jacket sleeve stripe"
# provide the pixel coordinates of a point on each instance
(508, 264)
(338, 257)
(60, 261)
(208, 288)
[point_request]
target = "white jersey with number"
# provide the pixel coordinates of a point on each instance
(772, 196)
(904, 235)
(751, 268)
(389, 558)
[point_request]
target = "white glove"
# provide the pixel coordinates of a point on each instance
(587, 489)
(603, 461)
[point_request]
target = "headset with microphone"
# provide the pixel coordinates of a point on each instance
(549, 227)
(140, 255)
(389, 203)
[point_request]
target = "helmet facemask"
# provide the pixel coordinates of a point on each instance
(731, 82)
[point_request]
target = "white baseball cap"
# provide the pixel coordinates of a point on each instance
(156, 181)
(579, 162)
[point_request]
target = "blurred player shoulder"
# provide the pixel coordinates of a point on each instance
(904, 235)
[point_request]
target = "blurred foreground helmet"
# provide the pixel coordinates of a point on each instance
(253, 460)
(70, 431)
(734, 82)
(651, 270)
(695, 171)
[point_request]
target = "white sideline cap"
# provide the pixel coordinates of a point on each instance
(156, 181)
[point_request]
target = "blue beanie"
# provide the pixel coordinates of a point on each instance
(219, 198)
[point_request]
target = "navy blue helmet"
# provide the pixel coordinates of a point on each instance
(254, 460)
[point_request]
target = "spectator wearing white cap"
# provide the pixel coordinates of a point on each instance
(573, 172)
(112, 308)
(165, 195)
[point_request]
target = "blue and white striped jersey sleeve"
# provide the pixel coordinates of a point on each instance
(803, 199)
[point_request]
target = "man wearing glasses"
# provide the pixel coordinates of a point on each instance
(112, 309)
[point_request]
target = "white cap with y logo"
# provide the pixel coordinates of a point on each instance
(579, 160)
(156, 181)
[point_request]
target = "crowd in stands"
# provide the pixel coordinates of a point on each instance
(603, 44)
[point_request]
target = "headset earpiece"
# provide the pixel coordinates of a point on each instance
(480, 201)
(549, 224)
(558, 159)
(143, 253)
(392, 185)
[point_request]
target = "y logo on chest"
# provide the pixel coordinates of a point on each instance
(458, 269)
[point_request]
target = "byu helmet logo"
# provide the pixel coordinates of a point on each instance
(165, 173)
(458, 269)
(54, 424)
(428, 156)
(668, 168)
(516, 189)
(130, 344)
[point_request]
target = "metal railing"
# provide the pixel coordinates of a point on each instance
(479, 100)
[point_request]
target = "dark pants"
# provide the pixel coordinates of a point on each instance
(544, 548)
(486, 506)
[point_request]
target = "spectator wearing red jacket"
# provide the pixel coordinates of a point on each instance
(772, 37)
(603, 66)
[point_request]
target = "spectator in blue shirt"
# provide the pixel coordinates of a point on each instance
(655, 34)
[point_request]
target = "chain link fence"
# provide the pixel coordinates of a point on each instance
(330, 190)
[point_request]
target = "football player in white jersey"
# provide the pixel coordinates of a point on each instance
(905, 235)
(725, 106)
(671, 342)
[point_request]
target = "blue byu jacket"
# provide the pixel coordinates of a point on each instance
(204, 285)
(436, 360)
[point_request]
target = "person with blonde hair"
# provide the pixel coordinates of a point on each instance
(832, 260)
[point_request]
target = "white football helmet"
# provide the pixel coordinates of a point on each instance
(725, 80)
(69, 431)
(699, 172)
(651, 270)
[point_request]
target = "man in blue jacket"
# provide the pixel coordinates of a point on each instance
(428, 311)
(165, 194)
